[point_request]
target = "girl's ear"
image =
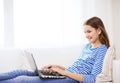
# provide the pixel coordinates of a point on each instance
(99, 31)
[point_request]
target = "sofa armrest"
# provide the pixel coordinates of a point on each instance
(116, 71)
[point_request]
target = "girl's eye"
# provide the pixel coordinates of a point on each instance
(88, 31)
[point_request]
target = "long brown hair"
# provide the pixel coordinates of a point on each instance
(96, 23)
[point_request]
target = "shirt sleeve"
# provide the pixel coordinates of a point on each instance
(96, 68)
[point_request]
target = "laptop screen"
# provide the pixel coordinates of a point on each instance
(32, 62)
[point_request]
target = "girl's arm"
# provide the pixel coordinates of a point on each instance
(77, 77)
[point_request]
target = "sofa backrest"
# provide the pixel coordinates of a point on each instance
(62, 56)
(11, 59)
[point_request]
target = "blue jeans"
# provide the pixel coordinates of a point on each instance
(24, 76)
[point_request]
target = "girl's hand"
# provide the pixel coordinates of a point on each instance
(52, 66)
(46, 67)
(58, 70)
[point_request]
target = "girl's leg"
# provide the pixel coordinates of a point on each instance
(36, 79)
(13, 74)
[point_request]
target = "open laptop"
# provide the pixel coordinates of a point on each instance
(40, 73)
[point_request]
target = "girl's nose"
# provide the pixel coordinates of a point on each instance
(87, 36)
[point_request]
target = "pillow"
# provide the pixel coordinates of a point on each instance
(106, 74)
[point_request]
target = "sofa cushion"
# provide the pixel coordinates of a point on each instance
(106, 74)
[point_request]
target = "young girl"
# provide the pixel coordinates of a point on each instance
(83, 70)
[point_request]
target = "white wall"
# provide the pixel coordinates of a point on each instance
(1, 24)
(8, 23)
(69, 34)
(47, 23)
(116, 25)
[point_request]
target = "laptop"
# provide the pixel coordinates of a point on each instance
(40, 73)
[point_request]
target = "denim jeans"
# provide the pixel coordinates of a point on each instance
(24, 76)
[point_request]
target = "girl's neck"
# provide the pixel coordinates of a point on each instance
(97, 44)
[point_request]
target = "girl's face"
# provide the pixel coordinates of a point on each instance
(92, 34)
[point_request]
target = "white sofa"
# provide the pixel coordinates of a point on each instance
(14, 58)
(11, 59)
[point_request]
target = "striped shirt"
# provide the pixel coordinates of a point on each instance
(89, 63)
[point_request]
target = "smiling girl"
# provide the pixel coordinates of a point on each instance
(83, 70)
